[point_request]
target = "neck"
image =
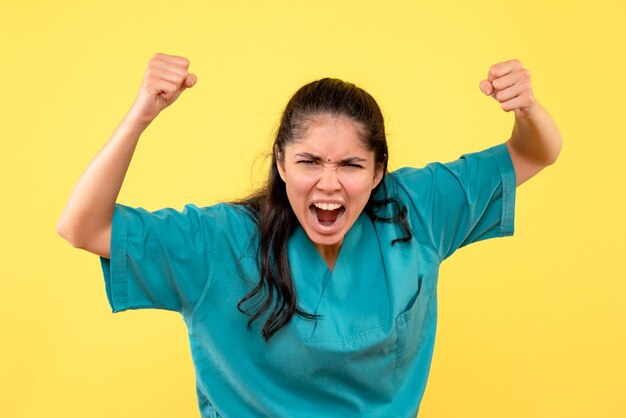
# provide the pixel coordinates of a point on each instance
(329, 254)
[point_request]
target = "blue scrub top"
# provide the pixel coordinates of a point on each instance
(370, 354)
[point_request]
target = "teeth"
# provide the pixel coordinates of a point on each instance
(327, 206)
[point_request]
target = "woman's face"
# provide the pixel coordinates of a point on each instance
(329, 176)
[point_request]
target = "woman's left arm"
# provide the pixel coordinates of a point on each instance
(536, 141)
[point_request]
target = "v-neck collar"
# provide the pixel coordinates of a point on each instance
(309, 268)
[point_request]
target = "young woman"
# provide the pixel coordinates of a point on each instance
(315, 296)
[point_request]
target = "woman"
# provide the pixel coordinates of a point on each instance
(315, 296)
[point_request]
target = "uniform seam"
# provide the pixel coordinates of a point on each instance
(506, 227)
(120, 268)
(205, 290)
(419, 232)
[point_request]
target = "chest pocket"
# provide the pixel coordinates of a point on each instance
(411, 324)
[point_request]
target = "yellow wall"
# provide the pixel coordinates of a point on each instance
(529, 326)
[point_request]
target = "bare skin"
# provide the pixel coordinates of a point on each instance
(536, 141)
(87, 218)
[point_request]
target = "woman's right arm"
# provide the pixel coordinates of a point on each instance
(87, 218)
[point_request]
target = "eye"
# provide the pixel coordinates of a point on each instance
(306, 162)
(354, 165)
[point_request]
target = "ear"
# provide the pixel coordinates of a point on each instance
(280, 163)
(378, 176)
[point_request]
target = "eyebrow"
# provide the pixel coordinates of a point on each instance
(345, 161)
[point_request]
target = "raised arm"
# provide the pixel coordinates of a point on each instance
(87, 217)
(536, 141)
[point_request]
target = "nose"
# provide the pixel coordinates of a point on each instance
(329, 180)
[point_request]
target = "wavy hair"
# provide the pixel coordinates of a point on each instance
(271, 211)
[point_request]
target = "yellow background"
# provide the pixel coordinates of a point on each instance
(529, 326)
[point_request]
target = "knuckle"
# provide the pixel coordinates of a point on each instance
(168, 87)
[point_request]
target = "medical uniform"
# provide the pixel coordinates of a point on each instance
(370, 354)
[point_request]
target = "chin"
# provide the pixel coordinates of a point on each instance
(318, 239)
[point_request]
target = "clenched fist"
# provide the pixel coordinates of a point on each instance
(165, 79)
(509, 83)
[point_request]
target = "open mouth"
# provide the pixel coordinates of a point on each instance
(327, 215)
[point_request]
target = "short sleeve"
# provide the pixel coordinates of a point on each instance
(462, 201)
(160, 259)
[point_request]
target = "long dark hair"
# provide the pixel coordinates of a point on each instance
(270, 208)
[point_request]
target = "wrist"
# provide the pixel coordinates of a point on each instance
(136, 122)
(531, 114)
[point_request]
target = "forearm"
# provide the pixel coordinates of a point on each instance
(537, 137)
(91, 204)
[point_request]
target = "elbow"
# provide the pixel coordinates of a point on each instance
(61, 230)
(557, 151)
(551, 153)
(67, 235)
